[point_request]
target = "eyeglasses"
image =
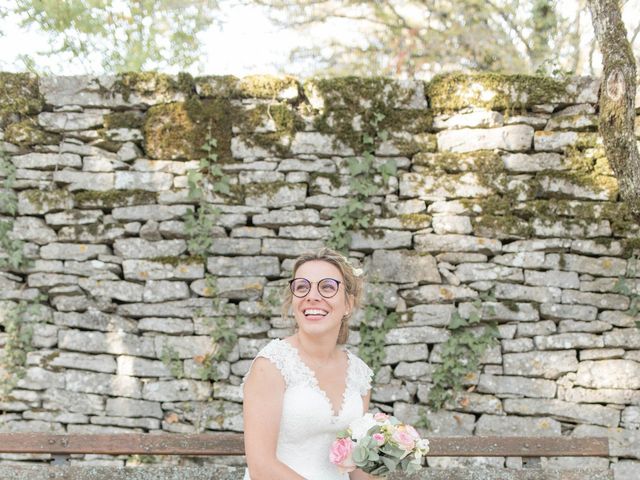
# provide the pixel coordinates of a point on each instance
(327, 287)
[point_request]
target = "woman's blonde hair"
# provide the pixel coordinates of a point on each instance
(353, 284)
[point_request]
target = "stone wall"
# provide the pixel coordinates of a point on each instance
(503, 206)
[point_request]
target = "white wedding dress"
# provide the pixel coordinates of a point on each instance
(308, 424)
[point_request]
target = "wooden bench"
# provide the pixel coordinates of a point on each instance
(61, 446)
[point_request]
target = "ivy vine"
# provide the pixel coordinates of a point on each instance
(374, 327)
(624, 287)
(462, 351)
(353, 215)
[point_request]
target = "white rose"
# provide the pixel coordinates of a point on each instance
(360, 426)
(423, 445)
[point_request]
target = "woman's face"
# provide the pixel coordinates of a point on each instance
(315, 313)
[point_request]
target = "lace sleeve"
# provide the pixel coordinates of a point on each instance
(276, 354)
(362, 376)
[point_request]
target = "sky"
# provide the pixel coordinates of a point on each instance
(248, 43)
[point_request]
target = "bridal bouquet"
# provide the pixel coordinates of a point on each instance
(378, 444)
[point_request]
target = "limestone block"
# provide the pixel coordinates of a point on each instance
(565, 411)
(275, 195)
(118, 343)
(47, 161)
(537, 244)
(37, 378)
(520, 292)
(517, 345)
(241, 148)
(441, 423)
(515, 385)
(57, 417)
(388, 239)
(391, 392)
(535, 162)
(577, 312)
(276, 218)
(247, 288)
(433, 315)
(64, 400)
(173, 326)
(601, 188)
(33, 426)
(244, 266)
(69, 121)
(552, 278)
(407, 335)
(572, 122)
(600, 300)
(630, 417)
(546, 327)
(193, 369)
(39, 202)
(146, 423)
(473, 272)
(319, 165)
(506, 426)
(177, 308)
(519, 312)
(140, 248)
(149, 181)
(260, 176)
(120, 290)
(145, 213)
(85, 180)
(443, 224)
(184, 347)
(124, 134)
(512, 138)
(304, 232)
(94, 320)
(413, 371)
(602, 266)
(438, 294)
(455, 243)
(625, 470)
(319, 144)
(554, 141)
(474, 119)
(102, 383)
(74, 217)
(96, 363)
(141, 367)
(34, 230)
(565, 341)
(403, 266)
(618, 396)
(628, 338)
(408, 353)
(600, 353)
(438, 187)
(288, 248)
(72, 251)
(547, 364)
(182, 268)
(176, 391)
(618, 319)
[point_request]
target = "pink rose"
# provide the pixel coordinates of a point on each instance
(340, 454)
(413, 432)
(404, 439)
(380, 417)
(378, 437)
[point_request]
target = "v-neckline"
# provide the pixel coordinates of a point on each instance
(316, 383)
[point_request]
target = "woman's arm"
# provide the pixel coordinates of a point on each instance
(262, 410)
(359, 474)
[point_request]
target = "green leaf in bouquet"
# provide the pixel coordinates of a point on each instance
(412, 467)
(392, 450)
(344, 434)
(390, 463)
(373, 456)
(360, 455)
(379, 471)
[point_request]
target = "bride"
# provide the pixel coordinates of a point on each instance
(301, 390)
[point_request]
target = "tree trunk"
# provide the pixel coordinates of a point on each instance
(617, 99)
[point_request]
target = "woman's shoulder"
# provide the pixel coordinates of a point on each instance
(362, 374)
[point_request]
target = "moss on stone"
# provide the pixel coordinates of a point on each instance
(114, 198)
(153, 83)
(27, 133)
(455, 91)
(268, 188)
(349, 101)
(502, 226)
(414, 221)
(40, 198)
(19, 97)
(265, 86)
(131, 119)
(334, 178)
(217, 86)
(179, 130)
(630, 246)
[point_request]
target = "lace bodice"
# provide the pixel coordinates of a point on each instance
(309, 424)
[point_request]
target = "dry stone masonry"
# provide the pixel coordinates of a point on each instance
(502, 187)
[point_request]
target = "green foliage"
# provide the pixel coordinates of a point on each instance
(353, 215)
(12, 249)
(208, 177)
(461, 352)
(171, 359)
(374, 328)
(120, 36)
(624, 287)
(13, 357)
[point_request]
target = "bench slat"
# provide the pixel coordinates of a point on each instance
(224, 443)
